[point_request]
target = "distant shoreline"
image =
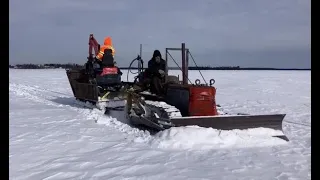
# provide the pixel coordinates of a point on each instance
(241, 69)
(202, 68)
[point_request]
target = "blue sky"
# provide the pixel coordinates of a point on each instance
(247, 33)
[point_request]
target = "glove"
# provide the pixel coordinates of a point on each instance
(96, 66)
(161, 72)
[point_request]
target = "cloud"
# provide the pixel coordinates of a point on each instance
(57, 31)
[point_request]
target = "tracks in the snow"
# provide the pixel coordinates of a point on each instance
(47, 96)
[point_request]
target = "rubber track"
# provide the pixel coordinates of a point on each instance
(163, 109)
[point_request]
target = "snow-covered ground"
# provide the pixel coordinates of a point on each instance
(54, 137)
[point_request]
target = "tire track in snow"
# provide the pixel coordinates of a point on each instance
(46, 97)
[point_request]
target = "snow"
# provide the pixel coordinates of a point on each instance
(52, 136)
(194, 137)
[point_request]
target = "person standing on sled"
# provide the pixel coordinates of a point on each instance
(155, 73)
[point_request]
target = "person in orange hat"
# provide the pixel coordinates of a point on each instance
(106, 45)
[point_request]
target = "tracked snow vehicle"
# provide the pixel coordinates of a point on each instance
(185, 104)
(181, 104)
(99, 86)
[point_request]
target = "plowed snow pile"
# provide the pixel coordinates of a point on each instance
(194, 137)
(190, 137)
(52, 136)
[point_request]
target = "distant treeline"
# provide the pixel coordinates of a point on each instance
(45, 66)
(69, 66)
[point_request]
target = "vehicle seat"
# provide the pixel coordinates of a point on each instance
(108, 77)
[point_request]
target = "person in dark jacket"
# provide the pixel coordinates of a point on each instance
(156, 65)
(155, 72)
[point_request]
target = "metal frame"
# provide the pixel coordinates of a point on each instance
(139, 62)
(185, 62)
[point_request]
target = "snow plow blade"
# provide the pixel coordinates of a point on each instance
(230, 122)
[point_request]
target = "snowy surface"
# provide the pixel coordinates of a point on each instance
(54, 137)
